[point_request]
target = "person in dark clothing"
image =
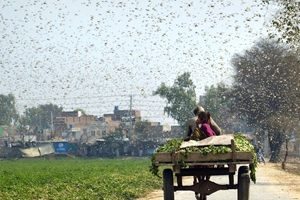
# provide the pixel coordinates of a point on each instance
(260, 156)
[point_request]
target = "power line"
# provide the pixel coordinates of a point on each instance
(144, 98)
(77, 98)
(103, 106)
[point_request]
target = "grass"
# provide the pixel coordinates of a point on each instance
(76, 178)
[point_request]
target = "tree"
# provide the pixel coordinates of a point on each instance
(142, 129)
(287, 125)
(50, 111)
(42, 115)
(145, 137)
(286, 21)
(181, 98)
(266, 84)
(81, 110)
(114, 140)
(8, 114)
(32, 117)
(211, 101)
(217, 102)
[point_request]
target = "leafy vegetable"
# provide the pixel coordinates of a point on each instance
(241, 144)
(75, 178)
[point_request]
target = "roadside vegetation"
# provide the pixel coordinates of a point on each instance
(76, 178)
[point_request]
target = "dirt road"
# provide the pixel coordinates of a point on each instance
(272, 183)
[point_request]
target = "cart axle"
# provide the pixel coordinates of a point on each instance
(206, 187)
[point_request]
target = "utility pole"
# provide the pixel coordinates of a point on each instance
(130, 123)
(51, 124)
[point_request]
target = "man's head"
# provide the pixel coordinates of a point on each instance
(198, 109)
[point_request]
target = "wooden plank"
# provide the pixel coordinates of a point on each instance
(197, 157)
(228, 162)
(163, 157)
(233, 154)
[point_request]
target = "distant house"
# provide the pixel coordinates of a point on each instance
(176, 132)
(121, 119)
(72, 125)
(8, 131)
(157, 130)
(119, 114)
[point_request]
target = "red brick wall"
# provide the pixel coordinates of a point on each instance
(80, 121)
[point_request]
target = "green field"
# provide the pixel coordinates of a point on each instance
(76, 178)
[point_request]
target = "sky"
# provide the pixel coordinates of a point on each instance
(95, 54)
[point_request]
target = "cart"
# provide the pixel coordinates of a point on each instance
(181, 166)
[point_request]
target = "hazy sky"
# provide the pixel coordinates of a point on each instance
(95, 54)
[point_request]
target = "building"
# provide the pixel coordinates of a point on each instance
(119, 114)
(74, 126)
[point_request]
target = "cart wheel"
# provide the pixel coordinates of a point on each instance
(168, 184)
(243, 183)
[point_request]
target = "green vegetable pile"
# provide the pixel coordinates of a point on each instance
(241, 144)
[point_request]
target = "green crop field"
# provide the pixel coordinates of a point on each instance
(76, 178)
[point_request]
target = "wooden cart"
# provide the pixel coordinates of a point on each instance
(180, 167)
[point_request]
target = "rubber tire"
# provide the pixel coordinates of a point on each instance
(168, 184)
(243, 170)
(243, 183)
